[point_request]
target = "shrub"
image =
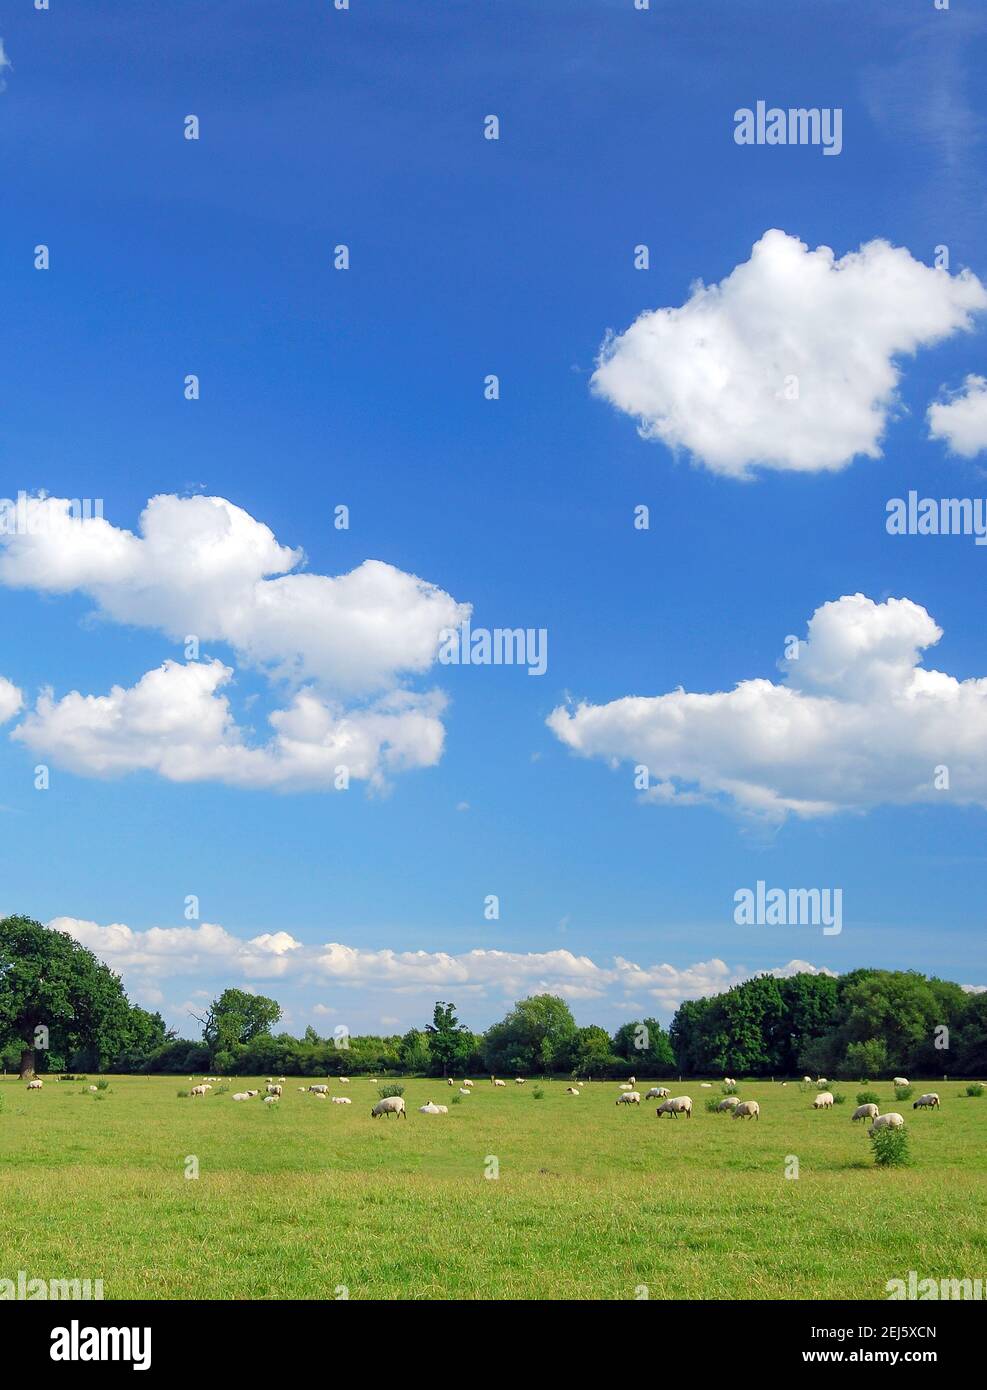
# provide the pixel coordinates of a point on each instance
(711, 1104)
(392, 1089)
(183, 1095)
(904, 1092)
(890, 1148)
(868, 1098)
(102, 1085)
(221, 1090)
(729, 1090)
(975, 1089)
(839, 1098)
(455, 1100)
(538, 1093)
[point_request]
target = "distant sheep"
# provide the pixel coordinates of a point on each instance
(274, 1090)
(823, 1101)
(271, 1100)
(430, 1108)
(35, 1085)
(320, 1095)
(629, 1098)
(468, 1083)
(747, 1109)
(821, 1081)
(500, 1083)
(391, 1105)
(930, 1101)
(728, 1103)
(892, 1120)
(807, 1080)
(317, 1089)
(899, 1081)
(676, 1106)
(571, 1091)
(341, 1100)
(241, 1095)
(343, 1080)
(866, 1112)
(199, 1090)
(463, 1091)
(450, 1082)
(657, 1093)
(729, 1081)
(706, 1085)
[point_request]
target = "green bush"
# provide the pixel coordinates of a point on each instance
(975, 1089)
(890, 1147)
(455, 1100)
(392, 1089)
(102, 1085)
(904, 1092)
(538, 1093)
(868, 1098)
(729, 1090)
(711, 1104)
(839, 1098)
(183, 1095)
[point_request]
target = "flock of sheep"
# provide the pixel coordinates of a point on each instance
(670, 1105)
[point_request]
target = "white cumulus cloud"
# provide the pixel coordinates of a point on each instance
(790, 362)
(961, 419)
(11, 699)
(854, 722)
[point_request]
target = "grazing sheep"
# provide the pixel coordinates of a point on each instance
(253, 1093)
(500, 1083)
(35, 1085)
(241, 1095)
(807, 1080)
(198, 1090)
(429, 1108)
(274, 1090)
(892, 1120)
(450, 1082)
(281, 1078)
(929, 1101)
(705, 1085)
(728, 1103)
(899, 1081)
(821, 1081)
(571, 1091)
(657, 1093)
(676, 1106)
(271, 1100)
(629, 1098)
(464, 1092)
(519, 1081)
(729, 1081)
(391, 1105)
(626, 1086)
(866, 1112)
(320, 1095)
(823, 1101)
(468, 1083)
(341, 1100)
(317, 1089)
(746, 1109)
(343, 1080)
(632, 1080)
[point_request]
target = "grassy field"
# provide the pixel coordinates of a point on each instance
(305, 1198)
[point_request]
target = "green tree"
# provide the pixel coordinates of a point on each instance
(645, 1045)
(516, 1043)
(866, 1059)
(449, 1040)
(55, 994)
(416, 1054)
(237, 1017)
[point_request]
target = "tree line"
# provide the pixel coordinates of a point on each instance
(62, 1009)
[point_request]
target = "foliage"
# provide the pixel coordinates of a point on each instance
(868, 1098)
(890, 1147)
(975, 1089)
(392, 1088)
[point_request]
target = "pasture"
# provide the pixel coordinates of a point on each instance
(306, 1199)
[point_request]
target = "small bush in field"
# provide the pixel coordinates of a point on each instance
(868, 1098)
(839, 1098)
(455, 1100)
(711, 1104)
(729, 1090)
(102, 1085)
(890, 1148)
(391, 1089)
(975, 1089)
(183, 1095)
(538, 1093)
(904, 1092)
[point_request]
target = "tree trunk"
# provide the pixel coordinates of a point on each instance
(27, 1064)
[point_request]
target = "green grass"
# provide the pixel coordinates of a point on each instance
(298, 1199)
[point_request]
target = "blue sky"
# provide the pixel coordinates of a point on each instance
(322, 387)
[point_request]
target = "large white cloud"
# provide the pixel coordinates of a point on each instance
(855, 722)
(202, 567)
(162, 953)
(174, 722)
(961, 419)
(714, 376)
(206, 568)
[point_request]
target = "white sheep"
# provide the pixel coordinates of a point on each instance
(629, 1098)
(241, 1095)
(705, 1085)
(571, 1091)
(676, 1106)
(341, 1100)
(199, 1090)
(866, 1112)
(450, 1082)
(807, 1080)
(463, 1091)
(319, 1088)
(821, 1081)
(391, 1105)
(320, 1095)
(271, 1100)
(892, 1120)
(253, 1093)
(729, 1081)
(632, 1080)
(468, 1083)
(626, 1086)
(92, 1090)
(519, 1081)
(429, 1108)
(746, 1109)
(823, 1101)
(500, 1083)
(929, 1101)
(35, 1085)
(899, 1081)
(728, 1103)
(274, 1090)
(657, 1093)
